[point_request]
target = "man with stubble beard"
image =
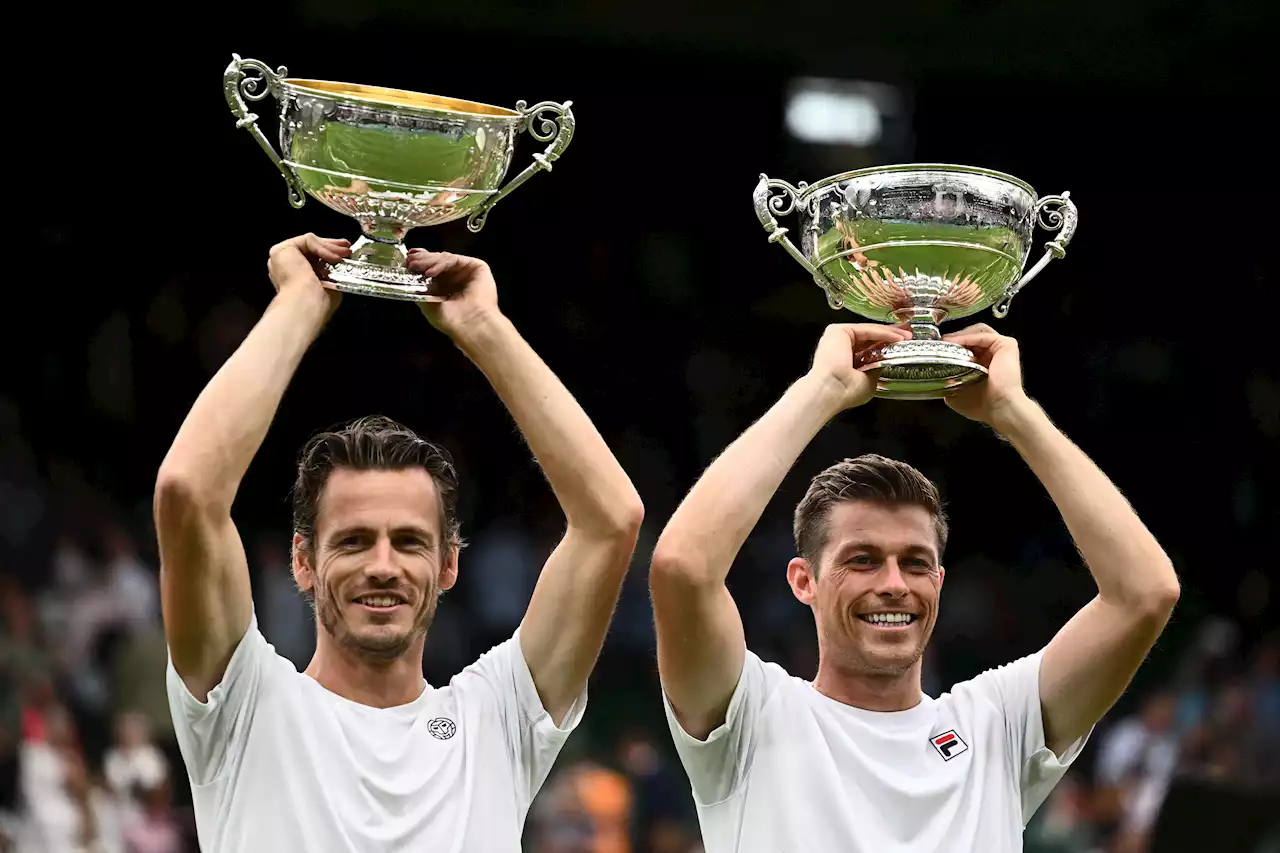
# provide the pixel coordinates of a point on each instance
(359, 753)
(859, 760)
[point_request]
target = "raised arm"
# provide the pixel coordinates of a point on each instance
(700, 638)
(204, 577)
(1091, 661)
(565, 625)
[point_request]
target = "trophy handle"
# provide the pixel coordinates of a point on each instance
(1053, 213)
(548, 121)
(774, 196)
(237, 87)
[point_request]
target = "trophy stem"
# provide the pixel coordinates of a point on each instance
(925, 367)
(379, 268)
(382, 253)
(924, 322)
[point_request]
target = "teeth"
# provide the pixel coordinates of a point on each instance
(889, 618)
(379, 601)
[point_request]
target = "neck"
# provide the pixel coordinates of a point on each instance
(378, 684)
(871, 691)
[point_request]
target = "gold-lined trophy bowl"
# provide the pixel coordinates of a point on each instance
(392, 160)
(918, 244)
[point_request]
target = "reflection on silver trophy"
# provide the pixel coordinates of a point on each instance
(393, 160)
(917, 244)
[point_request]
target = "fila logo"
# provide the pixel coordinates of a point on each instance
(949, 745)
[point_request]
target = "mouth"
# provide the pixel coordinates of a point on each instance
(889, 621)
(379, 603)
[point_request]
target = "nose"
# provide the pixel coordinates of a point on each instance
(382, 568)
(890, 582)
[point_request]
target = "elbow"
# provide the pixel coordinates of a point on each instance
(629, 517)
(622, 522)
(179, 495)
(674, 564)
(619, 521)
(1159, 600)
(174, 489)
(1167, 596)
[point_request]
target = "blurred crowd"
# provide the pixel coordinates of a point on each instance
(88, 763)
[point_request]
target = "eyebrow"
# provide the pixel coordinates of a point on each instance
(849, 547)
(403, 530)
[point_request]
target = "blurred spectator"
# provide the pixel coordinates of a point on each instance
(606, 798)
(134, 765)
(66, 811)
(155, 828)
(1136, 761)
(499, 569)
(558, 823)
(663, 819)
(1063, 824)
(285, 614)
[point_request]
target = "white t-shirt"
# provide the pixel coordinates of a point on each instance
(278, 763)
(793, 770)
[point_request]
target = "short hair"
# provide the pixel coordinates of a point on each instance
(870, 477)
(373, 443)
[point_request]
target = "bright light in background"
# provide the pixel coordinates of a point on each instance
(839, 112)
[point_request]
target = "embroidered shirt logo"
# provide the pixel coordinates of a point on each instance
(949, 744)
(442, 728)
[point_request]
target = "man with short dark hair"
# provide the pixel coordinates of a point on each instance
(859, 759)
(359, 753)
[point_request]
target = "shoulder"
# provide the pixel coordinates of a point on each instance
(768, 682)
(1000, 688)
(498, 678)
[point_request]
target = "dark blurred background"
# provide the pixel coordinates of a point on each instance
(639, 272)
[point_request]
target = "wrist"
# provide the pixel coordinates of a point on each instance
(1015, 417)
(827, 394)
(310, 304)
(480, 330)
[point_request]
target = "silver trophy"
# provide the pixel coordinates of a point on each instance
(917, 244)
(393, 160)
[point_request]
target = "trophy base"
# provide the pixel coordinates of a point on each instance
(922, 369)
(385, 282)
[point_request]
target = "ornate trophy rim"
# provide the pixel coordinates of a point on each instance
(399, 99)
(918, 167)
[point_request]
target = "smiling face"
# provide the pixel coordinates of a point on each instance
(877, 585)
(378, 560)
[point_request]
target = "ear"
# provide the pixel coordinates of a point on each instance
(942, 575)
(449, 570)
(803, 580)
(303, 572)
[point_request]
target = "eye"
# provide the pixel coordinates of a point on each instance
(409, 543)
(350, 542)
(862, 561)
(916, 564)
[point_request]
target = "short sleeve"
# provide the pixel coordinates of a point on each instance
(533, 738)
(1015, 690)
(718, 765)
(211, 734)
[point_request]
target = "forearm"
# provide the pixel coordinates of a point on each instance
(722, 508)
(230, 418)
(594, 492)
(1127, 563)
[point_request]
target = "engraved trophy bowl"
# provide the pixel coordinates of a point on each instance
(917, 244)
(392, 160)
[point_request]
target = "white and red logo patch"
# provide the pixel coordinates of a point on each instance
(949, 744)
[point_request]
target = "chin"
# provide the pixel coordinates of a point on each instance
(891, 659)
(381, 644)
